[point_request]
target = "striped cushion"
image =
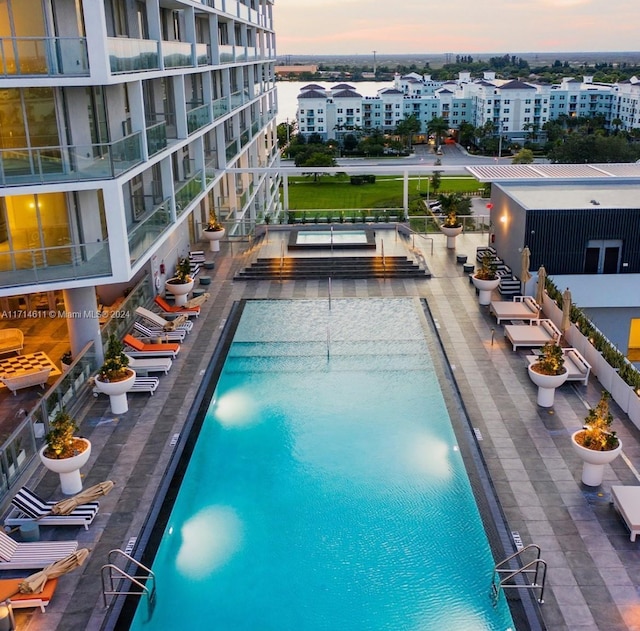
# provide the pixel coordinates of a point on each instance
(8, 546)
(26, 501)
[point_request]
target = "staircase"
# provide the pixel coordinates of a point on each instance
(310, 268)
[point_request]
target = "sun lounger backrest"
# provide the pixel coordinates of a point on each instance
(29, 503)
(550, 328)
(133, 342)
(531, 304)
(151, 316)
(8, 546)
(577, 360)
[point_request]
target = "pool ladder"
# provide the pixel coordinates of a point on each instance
(510, 578)
(117, 582)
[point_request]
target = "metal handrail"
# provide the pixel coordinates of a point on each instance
(537, 567)
(109, 571)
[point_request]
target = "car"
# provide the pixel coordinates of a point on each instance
(432, 205)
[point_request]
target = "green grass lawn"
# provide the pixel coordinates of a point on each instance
(338, 193)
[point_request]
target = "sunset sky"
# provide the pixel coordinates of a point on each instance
(465, 26)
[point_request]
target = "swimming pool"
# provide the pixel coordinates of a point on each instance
(326, 490)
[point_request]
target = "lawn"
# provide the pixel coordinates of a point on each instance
(336, 192)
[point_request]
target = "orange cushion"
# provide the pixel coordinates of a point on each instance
(9, 589)
(139, 345)
(163, 304)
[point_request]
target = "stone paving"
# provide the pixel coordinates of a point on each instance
(594, 569)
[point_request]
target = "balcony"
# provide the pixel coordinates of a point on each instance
(186, 192)
(48, 56)
(203, 58)
(220, 107)
(147, 231)
(69, 164)
(227, 53)
(231, 150)
(132, 55)
(156, 138)
(53, 264)
(176, 54)
(198, 117)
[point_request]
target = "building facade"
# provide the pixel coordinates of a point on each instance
(119, 122)
(514, 109)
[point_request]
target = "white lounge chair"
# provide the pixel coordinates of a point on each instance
(138, 348)
(145, 366)
(574, 362)
(27, 506)
(626, 499)
(153, 334)
(537, 333)
(27, 556)
(521, 308)
(155, 320)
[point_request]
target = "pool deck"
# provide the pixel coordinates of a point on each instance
(594, 569)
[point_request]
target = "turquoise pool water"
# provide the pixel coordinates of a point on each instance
(326, 491)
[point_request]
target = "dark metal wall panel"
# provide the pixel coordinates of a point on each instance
(558, 238)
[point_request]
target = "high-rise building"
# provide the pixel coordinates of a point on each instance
(121, 124)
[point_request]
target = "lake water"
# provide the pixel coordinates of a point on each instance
(288, 94)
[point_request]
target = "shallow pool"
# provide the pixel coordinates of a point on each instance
(326, 491)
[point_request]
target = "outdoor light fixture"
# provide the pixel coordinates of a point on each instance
(503, 219)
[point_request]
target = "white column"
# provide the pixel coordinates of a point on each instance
(82, 320)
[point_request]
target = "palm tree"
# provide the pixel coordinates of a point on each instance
(438, 126)
(407, 127)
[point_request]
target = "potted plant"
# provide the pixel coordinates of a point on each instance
(486, 278)
(64, 452)
(181, 283)
(115, 378)
(214, 231)
(596, 443)
(548, 372)
(66, 360)
(451, 226)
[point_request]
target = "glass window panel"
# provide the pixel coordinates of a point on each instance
(41, 117)
(28, 19)
(12, 130)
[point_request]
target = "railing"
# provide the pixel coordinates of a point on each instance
(176, 54)
(50, 56)
(203, 58)
(227, 53)
(53, 264)
(231, 149)
(188, 191)
(220, 107)
(132, 55)
(145, 233)
(156, 138)
(20, 166)
(198, 118)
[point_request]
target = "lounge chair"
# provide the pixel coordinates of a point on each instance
(27, 556)
(173, 309)
(154, 334)
(139, 349)
(27, 506)
(574, 362)
(537, 333)
(10, 591)
(626, 499)
(521, 308)
(145, 366)
(155, 320)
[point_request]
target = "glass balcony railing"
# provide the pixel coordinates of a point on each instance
(245, 137)
(198, 118)
(203, 58)
(50, 56)
(69, 164)
(227, 53)
(238, 99)
(156, 138)
(176, 54)
(188, 191)
(220, 107)
(54, 264)
(146, 232)
(132, 55)
(231, 149)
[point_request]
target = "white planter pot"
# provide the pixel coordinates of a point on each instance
(485, 287)
(180, 291)
(594, 461)
(451, 234)
(547, 385)
(214, 237)
(68, 468)
(117, 391)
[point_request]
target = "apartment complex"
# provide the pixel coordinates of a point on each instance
(119, 122)
(516, 109)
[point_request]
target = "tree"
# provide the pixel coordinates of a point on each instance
(436, 180)
(437, 126)
(454, 203)
(407, 127)
(524, 156)
(315, 156)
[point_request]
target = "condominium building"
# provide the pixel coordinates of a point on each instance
(516, 109)
(121, 125)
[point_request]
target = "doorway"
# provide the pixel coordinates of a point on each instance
(603, 256)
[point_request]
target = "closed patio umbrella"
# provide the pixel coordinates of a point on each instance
(172, 325)
(525, 276)
(566, 310)
(196, 302)
(35, 583)
(542, 277)
(66, 506)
